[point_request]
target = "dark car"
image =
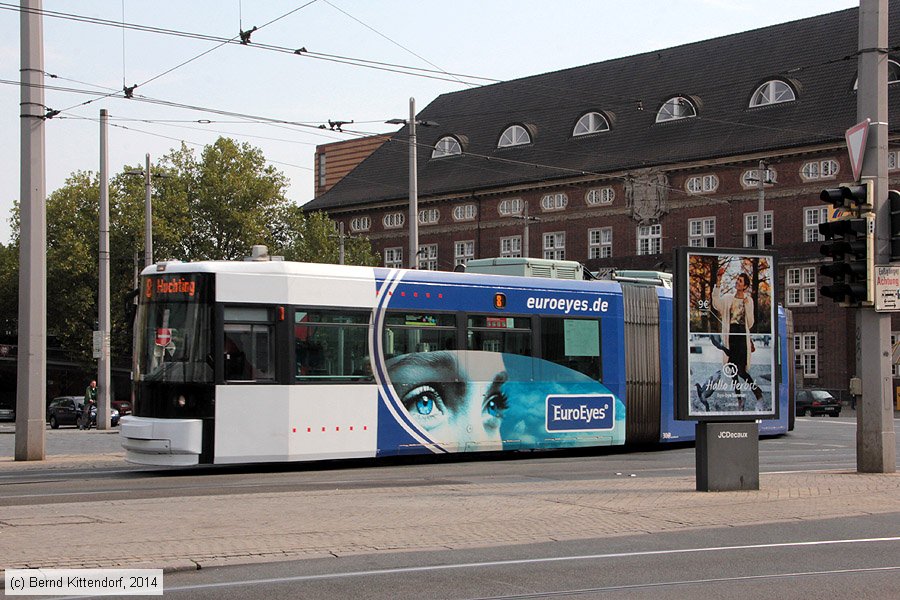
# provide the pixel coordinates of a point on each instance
(8, 411)
(123, 406)
(67, 410)
(817, 402)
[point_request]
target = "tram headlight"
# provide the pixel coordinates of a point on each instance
(181, 401)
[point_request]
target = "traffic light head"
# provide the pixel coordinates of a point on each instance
(894, 199)
(851, 197)
(850, 245)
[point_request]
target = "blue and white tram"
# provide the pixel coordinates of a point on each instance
(267, 361)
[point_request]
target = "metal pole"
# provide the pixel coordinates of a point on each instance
(103, 366)
(31, 377)
(761, 187)
(875, 437)
(341, 236)
(148, 217)
(413, 260)
(525, 234)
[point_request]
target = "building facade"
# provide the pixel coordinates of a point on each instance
(618, 163)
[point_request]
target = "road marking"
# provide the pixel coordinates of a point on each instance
(531, 561)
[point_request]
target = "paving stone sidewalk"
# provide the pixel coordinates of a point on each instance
(179, 533)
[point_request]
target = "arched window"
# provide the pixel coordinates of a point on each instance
(446, 146)
(592, 122)
(772, 92)
(676, 108)
(514, 135)
(511, 206)
(393, 220)
(360, 224)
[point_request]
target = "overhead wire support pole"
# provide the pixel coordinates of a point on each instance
(148, 216)
(31, 376)
(761, 193)
(103, 364)
(875, 437)
(413, 190)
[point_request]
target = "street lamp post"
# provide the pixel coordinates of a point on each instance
(413, 260)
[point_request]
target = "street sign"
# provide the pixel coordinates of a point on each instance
(163, 336)
(856, 145)
(97, 343)
(887, 289)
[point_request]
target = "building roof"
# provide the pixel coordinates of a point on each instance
(816, 56)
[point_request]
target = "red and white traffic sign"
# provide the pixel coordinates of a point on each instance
(163, 336)
(856, 145)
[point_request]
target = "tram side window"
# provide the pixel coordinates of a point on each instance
(511, 335)
(572, 343)
(332, 345)
(406, 333)
(248, 345)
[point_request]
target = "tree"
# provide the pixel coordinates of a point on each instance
(312, 237)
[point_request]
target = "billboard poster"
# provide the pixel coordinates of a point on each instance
(726, 334)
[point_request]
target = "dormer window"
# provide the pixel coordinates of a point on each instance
(592, 122)
(676, 108)
(514, 135)
(772, 92)
(446, 146)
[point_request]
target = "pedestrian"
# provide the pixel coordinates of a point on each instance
(90, 401)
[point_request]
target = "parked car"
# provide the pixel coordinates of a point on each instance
(8, 412)
(123, 406)
(67, 410)
(816, 402)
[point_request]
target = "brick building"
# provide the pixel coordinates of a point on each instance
(618, 163)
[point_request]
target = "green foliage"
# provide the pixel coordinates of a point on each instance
(214, 207)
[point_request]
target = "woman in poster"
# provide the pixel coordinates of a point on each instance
(737, 315)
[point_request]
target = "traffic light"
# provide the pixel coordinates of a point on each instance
(850, 241)
(894, 198)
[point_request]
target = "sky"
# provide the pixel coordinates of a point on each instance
(342, 75)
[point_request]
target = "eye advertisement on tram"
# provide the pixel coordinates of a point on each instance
(725, 342)
(479, 383)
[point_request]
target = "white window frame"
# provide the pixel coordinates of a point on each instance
(592, 122)
(701, 232)
(702, 184)
(514, 135)
(428, 257)
(552, 202)
(812, 217)
(806, 354)
(463, 252)
(600, 242)
(800, 286)
(600, 196)
(511, 246)
(464, 212)
(393, 220)
(751, 228)
(750, 177)
(675, 109)
(814, 170)
(393, 258)
(510, 206)
(555, 245)
(771, 92)
(429, 216)
(446, 146)
(649, 239)
(360, 224)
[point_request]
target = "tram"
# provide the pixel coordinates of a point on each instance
(273, 361)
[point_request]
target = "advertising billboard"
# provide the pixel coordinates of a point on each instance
(725, 334)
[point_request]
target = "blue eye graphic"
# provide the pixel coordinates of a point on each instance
(423, 400)
(495, 404)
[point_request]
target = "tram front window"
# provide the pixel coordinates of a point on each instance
(173, 342)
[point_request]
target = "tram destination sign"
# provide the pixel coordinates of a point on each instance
(887, 289)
